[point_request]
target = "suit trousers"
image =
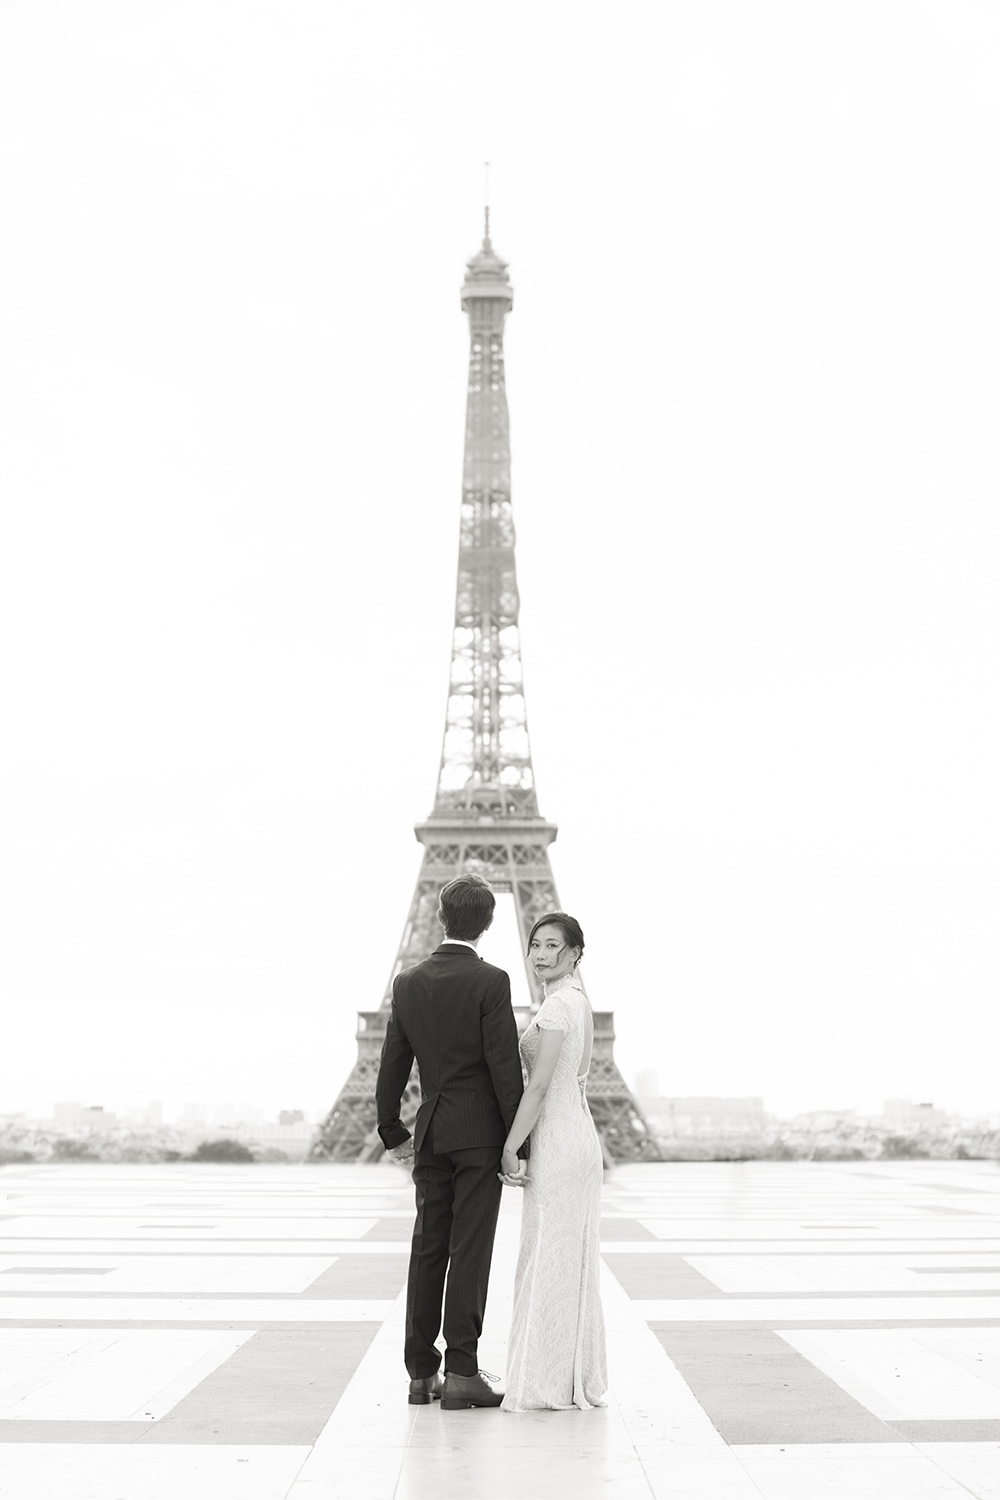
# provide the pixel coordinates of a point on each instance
(458, 1200)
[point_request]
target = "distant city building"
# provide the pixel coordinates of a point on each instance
(291, 1135)
(150, 1114)
(194, 1114)
(96, 1114)
(702, 1114)
(904, 1114)
(82, 1114)
(229, 1115)
(824, 1119)
(647, 1083)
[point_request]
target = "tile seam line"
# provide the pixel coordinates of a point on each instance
(11, 1243)
(961, 1294)
(822, 1325)
(208, 1325)
(611, 1247)
(954, 1479)
(719, 1459)
(249, 1254)
(86, 1295)
(305, 1459)
(766, 1239)
(180, 1325)
(401, 1247)
(746, 1471)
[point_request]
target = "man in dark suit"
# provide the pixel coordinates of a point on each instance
(453, 1014)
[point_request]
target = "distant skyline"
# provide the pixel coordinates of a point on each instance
(753, 386)
(200, 1114)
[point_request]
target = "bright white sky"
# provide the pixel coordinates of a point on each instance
(754, 387)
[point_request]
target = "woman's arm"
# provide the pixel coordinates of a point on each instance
(549, 1046)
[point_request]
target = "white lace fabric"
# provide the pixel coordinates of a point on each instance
(556, 1357)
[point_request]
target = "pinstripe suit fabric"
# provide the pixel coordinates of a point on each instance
(453, 1014)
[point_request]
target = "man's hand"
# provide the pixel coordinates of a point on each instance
(513, 1169)
(404, 1154)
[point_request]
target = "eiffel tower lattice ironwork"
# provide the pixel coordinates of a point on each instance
(485, 816)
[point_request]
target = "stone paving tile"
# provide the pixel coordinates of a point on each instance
(757, 1314)
(757, 1389)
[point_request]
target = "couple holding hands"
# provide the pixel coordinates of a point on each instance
(453, 1014)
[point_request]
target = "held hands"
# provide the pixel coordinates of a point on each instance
(513, 1169)
(403, 1154)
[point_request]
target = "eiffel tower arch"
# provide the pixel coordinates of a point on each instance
(485, 816)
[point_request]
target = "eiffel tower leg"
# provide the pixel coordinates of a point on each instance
(422, 932)
(624, 1131)
(534, 893)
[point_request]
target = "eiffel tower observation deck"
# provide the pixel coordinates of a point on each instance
(485, 816)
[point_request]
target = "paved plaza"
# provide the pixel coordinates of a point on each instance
(783, 1330)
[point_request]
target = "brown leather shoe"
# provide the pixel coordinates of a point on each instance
(463, 1391)
(425, 1389)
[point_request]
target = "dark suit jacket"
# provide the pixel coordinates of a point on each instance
(453, 1014)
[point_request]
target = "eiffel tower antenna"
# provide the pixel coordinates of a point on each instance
(485, 816)
(486, 201)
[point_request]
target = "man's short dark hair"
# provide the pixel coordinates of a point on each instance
(466, 907)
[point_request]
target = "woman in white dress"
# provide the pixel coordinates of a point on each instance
(556, 1355)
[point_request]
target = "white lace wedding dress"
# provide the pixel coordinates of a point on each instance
(556, 1356)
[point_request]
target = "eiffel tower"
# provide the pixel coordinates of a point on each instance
(485, 816)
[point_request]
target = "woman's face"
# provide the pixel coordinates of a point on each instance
(550, 954)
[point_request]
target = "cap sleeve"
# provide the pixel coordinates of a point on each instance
(554, 1014)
